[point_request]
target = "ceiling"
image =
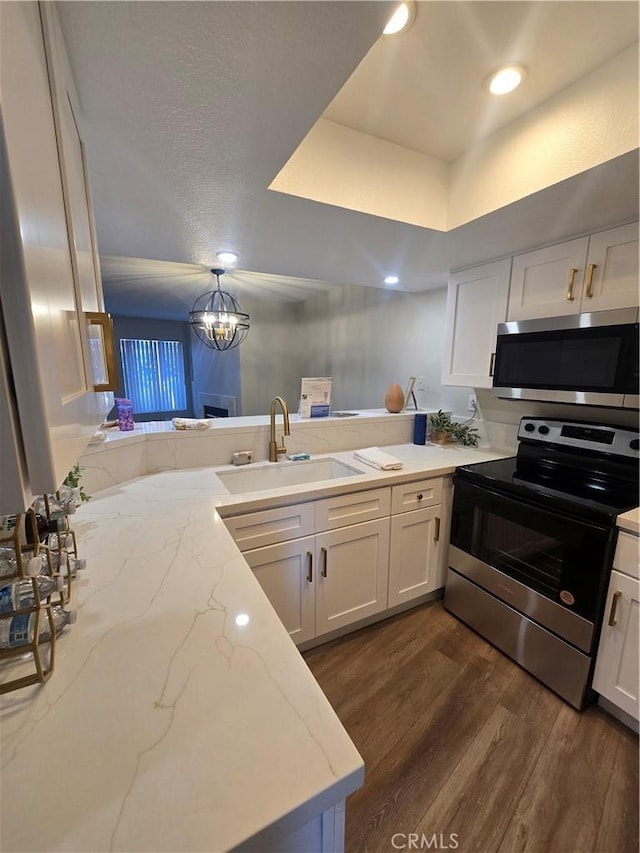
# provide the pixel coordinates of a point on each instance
(192, 108)
(428, 92)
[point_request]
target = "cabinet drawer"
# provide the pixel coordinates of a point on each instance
(626, 558)
(415, 495)
(270, 526)
(352, 509)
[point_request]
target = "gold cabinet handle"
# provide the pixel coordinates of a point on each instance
(309, 566)
(323, 551)
(590, 272)
(492, 363)
(614, 607)
(102, 319)
(572, 275)
(436, 537)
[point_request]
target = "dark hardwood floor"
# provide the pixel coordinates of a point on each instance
(465, 748)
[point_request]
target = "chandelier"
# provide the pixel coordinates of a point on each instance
(217, 319)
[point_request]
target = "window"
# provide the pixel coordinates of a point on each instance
(153, 372)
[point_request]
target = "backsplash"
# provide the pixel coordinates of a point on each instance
(154, 447)
(500, 418)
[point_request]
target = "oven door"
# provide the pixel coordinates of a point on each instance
(548, 566)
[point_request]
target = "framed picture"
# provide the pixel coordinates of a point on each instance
(408, 394)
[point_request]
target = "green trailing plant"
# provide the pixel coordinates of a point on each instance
(466, 435)
(441, 422)
(462, 433)
(72, 480)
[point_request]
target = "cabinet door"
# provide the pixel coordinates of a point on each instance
(46, 336)
(548, 282)
(617, 664)
(14, 485)
(611, 279)
(286, 574)
(476, 303)
(352, 567)
(414, 558)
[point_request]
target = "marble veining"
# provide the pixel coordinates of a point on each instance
(168, 724)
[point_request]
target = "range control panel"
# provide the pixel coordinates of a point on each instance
(620, 441)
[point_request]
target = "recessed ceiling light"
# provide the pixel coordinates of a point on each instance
(227, 257)
(401, 19)
(505, 79)
(391, 279)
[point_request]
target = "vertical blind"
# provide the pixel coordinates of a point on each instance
(153, 373)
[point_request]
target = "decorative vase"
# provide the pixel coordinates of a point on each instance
(440, 437)
(394, 398)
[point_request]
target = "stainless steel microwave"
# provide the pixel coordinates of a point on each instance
(590, 359)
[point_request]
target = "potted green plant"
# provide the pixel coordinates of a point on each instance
(441, 427)
(443, 430)
(72, 480)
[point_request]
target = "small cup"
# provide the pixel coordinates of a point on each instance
(125, 414)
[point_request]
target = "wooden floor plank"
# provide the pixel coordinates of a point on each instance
(619, 830)
(563, 803)
(400, 789)
(459, 739)
(479, 798)
(378, 651)
(395, 705)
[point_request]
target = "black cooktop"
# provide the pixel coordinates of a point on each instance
(584, 491)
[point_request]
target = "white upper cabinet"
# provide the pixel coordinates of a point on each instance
(49, 268)
(594, 273)
(548, 282)
(476, 303)
(611, 279)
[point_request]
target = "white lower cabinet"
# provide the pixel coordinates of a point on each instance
(415, 554)
(285, 573)
(324, 582)
(331, 563)
(618, 661)
(352, 565)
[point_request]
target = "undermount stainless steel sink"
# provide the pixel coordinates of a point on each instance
(274, 475)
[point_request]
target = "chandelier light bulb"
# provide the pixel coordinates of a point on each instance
(217, 319)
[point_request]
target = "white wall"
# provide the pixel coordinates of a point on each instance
(270, 356)
(347, 168)
(366, 338)
(214, 373)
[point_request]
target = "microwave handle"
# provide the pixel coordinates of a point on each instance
(492, 363)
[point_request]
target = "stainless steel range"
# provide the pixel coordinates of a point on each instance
(532, 542)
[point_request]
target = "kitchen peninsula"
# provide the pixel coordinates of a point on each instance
(180, 715)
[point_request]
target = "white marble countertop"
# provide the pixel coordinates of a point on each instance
(150, 430)
(630, 521)
(166, 725)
